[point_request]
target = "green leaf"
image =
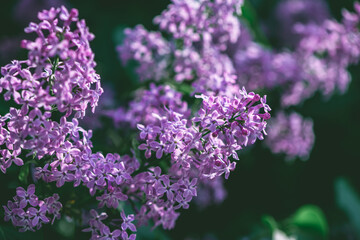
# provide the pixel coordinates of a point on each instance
(250, 17)
(310, 217)
(269, 222)
(66, 227)
(348, 200)
(185, 89)
(24, 173)
(2, 234)
(135, 146)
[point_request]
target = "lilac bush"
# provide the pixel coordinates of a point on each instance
(188, 123)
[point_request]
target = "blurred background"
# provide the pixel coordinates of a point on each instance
(316, 199)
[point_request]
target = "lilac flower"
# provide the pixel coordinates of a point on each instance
(28, 217)
(192, 20)
(25, 197)
(60, 69)
(291, 135)
(111, 199)
(149, 49)
(127, 222)
(225, 125)
(146, 104)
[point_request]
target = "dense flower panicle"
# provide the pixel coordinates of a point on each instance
(164, 194)
(319, 62)
(201, 20)
(149, 49)
(222, 126)
(34, 133)
(325, 52)
(291, 135)
(60, 69)
(28, 212)
(148, 102)
(215, 84)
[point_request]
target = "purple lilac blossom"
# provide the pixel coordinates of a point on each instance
(291, 135)
(28, 212)
(201, 30)
(60, 69)
(324, 53)
(201, 20)
(222, 127)
(319, 62)
(149, 49)
(148, 102)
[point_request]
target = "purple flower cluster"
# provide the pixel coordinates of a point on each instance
(59, 72)
(291, 135)
(155, 100)
(30, 213)
(149, 49)
(34, 133)
(201, 31)
(319, 62)
(202, 20)
(210, 57)
(99, 230)
(325, 52)
(164, 193)
(222, 127)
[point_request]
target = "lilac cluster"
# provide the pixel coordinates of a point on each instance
(319, 62)
(155, 100)
(325, 52)
(291, 135)
(58, 76)
(149, 49)
(99, 230)
(34, 133)
(30, 213)
(201, 31)
(208, 142)
(206, 54)
(59, 72)
(163, 194)
(202, 20)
